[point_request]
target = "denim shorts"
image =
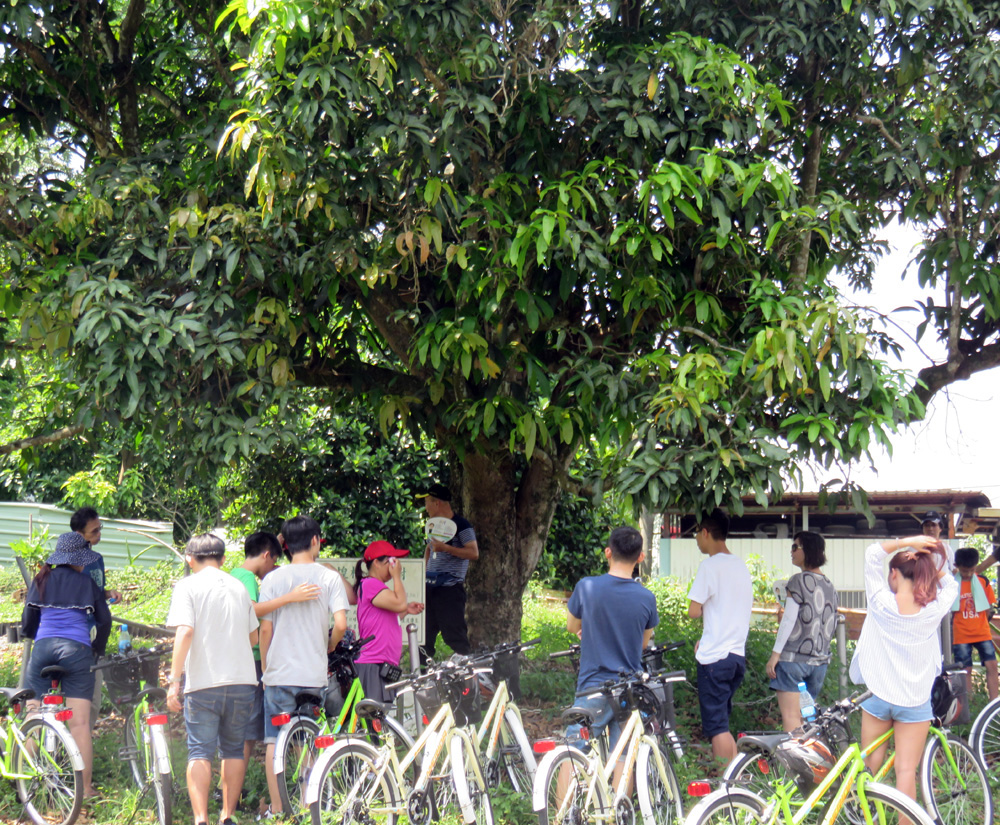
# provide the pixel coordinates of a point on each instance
(604, 719)
(216, 720)
(885, 711)
(789, 674)
(76, 657)
(717, 683)
(962, 651)
(281, 699)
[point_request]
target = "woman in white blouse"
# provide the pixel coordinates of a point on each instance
(899, 651)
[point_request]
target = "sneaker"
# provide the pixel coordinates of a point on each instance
(268, 814)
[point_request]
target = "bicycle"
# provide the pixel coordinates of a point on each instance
(653, 658)
(954, 785)
(40, 756)
(573, 786)
(354, 781)
(132, 684)
(834, 791)
(985, 735)
(503, 744)
(295, 747)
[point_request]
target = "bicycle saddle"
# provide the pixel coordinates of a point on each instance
(765, 742)
(578, 716)
(370, 709)
(154, 694)
(53, 672)
(15, 695)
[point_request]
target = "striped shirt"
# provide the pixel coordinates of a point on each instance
(446, 563)
(898, 656)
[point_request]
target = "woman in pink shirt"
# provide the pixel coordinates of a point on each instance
(379, 608)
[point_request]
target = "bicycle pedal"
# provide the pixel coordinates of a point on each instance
(128, 754)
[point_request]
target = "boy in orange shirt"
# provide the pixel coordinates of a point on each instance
(971, 625)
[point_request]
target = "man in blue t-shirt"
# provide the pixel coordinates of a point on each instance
(614, 616)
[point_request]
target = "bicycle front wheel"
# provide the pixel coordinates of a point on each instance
(470, 784)
(294, 755)
(955, 793)
(516, 757)
(985, 736)
(657, 787)
(134, 751)
(727, 806)
(50, 773)
(352, 790)
(163, 783)
(570, 797)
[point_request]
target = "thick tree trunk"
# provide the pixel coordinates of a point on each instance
(511, 512)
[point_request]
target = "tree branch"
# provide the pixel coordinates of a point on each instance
(39, 440)
(956, 369)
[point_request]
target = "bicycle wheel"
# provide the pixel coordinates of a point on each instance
(985, 736)
(351, 790)
(163, 783)
(50, 781)
(568, 800)
(727, 806)
(956, 794)
(884, 806)
(659, 793)
(294, 755)
(758, 773)
(516, 757)
(470, 784)
(134, 750)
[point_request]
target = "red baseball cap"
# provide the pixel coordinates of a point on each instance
(380, 548)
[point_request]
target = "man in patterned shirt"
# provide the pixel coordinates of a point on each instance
(447, 563)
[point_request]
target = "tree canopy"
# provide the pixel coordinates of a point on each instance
(526, 229)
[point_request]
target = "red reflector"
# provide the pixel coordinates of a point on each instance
(281, 719)
(544, 745)
(763, 766)
(426, 721)
(52, 699)
(156, 718)
(17, 707)
(740, 735)
(64, 715)
(585, 733)
(324, 741)
(699, 788)
(377, 725)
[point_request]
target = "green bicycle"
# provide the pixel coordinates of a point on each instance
(811, 785)
(308, 727)
(39, 756)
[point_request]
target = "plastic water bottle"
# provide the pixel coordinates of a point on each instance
(807, 707)
(124, 640)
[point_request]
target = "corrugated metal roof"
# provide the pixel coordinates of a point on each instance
(143, 543)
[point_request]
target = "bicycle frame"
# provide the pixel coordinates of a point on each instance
(12, 742)
(493, 719)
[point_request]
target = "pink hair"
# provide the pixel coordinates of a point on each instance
(920, 567)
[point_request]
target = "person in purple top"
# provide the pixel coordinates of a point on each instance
(379, 609)
(58, 610)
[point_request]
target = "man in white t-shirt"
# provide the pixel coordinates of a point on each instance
(213, 645)
(294, 639)
(722, 595)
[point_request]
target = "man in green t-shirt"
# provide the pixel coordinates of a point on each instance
(261, 553)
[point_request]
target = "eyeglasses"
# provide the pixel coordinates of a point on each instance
(796, 547)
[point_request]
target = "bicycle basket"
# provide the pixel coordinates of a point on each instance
(949, 699)
(507, 668)
(462, 694)
(122, 679)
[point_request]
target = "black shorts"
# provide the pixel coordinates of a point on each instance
(717, 683)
